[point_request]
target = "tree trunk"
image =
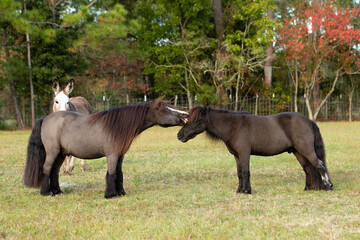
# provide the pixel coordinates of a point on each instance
(269, 58)
(308, 106)
(219, 76)
(316, 89)
(31, 81)
(350, 105)
(316, 94)
(30, 76)
(219, 23)
(237, 93)
(296, 89)
(23, 109)
(317, 110)
(187, 89)
(12, 86)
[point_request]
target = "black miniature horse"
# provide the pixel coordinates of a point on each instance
(246, 134)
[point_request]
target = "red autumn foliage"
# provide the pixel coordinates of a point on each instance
(320, 33)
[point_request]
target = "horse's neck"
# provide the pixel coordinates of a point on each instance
(219, 124)
(146, 123)
(145, 126)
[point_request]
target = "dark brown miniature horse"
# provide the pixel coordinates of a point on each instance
(246, 134)
(108, 133)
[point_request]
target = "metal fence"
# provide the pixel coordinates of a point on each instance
(335, 109)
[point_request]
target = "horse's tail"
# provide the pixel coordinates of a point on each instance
(319, 144)
(35, 158)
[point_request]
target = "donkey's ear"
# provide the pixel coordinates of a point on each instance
(55, 85)
(70, 86)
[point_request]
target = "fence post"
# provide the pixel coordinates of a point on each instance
(175, 100)
(256, 104)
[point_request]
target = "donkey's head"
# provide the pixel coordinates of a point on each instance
(61, 99)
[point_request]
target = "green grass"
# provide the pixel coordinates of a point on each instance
(183, 191)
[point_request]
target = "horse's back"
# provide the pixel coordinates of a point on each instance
(81, 105)
(273, 134)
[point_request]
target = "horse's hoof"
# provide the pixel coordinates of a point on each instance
(244, 192)
(83, 170)
(58, 192)
(67, 173)
(47, 194)
(121, 192)
(112, 195)
(328, 188)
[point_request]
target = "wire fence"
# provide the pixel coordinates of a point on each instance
(336, 108)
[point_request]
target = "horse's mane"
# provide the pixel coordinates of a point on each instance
(123, 124)
(196, 112)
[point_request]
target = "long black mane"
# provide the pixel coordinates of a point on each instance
(123, 124)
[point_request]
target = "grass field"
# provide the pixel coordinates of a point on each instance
(183, 191)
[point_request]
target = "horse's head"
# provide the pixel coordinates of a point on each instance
(61, 99)
(196, 124)
(160, 113)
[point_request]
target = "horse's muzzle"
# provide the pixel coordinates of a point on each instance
(182, 137)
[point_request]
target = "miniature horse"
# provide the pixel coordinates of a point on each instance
(62, 102)
(108, 133)
(245, 134)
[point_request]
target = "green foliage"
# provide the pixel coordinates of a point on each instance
(207, 96)
(250, 28)
(161, 48)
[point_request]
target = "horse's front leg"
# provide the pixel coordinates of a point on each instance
(239, 170)
(119, 185)
(111, 177)
(244, 173)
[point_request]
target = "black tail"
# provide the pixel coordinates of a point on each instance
(35, 158)
(319, 145)
(320, 152)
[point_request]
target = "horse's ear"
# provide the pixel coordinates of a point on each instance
(204, 110)
(55, 85)
(70, 86)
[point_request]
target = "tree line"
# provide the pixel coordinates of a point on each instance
(219, 50)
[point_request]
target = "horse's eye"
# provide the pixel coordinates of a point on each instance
(56, 102)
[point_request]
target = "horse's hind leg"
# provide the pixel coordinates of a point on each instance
(320, 168)
(72, 163)
(119, 185)
(49, 161)
(67, 165)
(313, 178)
(83, 165)
(54, 175)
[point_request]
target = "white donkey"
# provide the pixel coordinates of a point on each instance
(62, 102)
